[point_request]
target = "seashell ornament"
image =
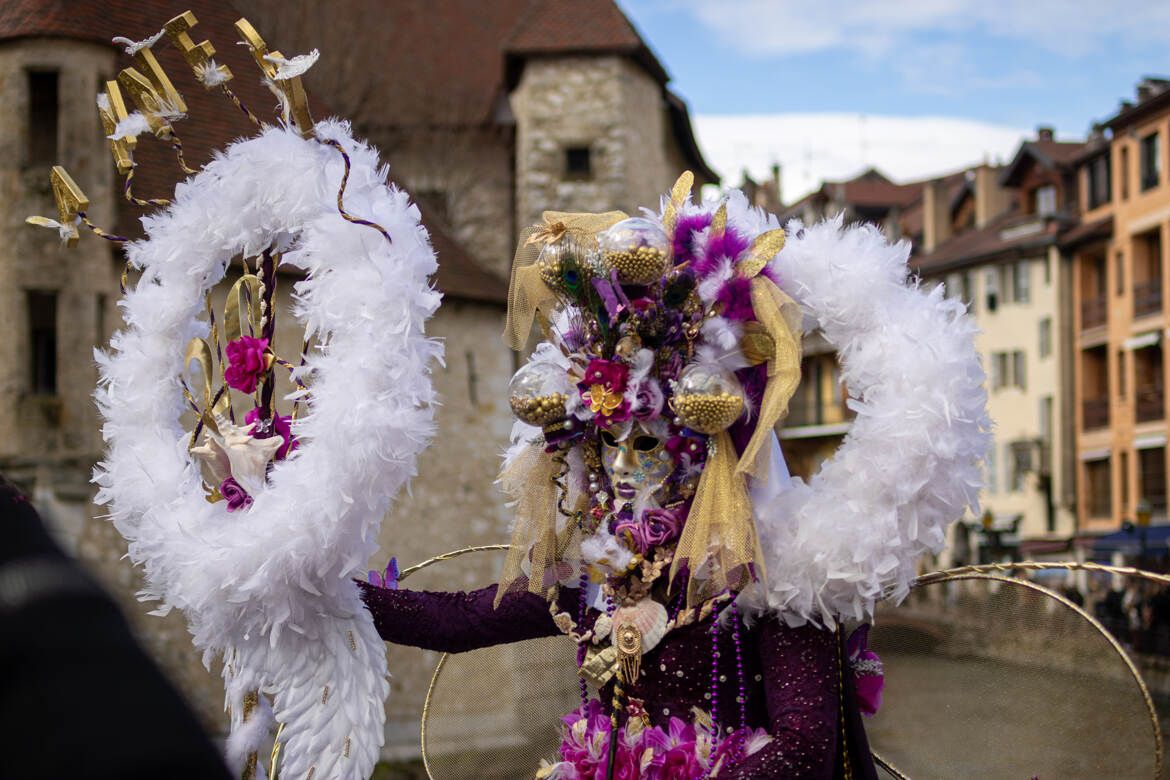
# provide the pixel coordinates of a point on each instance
(636, 631)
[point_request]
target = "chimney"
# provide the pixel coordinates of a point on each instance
(936, 214)
(1044, 133)
(776, 183)
(991, 200)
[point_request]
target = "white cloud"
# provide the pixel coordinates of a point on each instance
(1073, 28)
(811, 148)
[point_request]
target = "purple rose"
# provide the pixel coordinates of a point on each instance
(635, 535)
(660, 526)
(281, 426)
(247, 362)
(648, 400)
(236, 496)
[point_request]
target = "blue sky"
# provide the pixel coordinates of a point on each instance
(858, 71)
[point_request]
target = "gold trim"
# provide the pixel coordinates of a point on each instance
(443, 660)
(983, 572)
(1126, 571)
(426, 709)
(888, 767)
(448, 556)
(272, 760)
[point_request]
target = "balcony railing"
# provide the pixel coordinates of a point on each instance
(1147, 298)
(1151, 405)
(1095, 412)
(1093, 312)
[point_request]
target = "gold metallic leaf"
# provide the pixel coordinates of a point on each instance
(719, 221)
(757, 344)
(71, 202)
(682, 188)
(199, 351)
(232, 327)
(763, 249)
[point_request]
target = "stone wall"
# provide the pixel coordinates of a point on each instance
(606, 104)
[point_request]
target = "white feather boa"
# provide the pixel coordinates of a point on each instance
(912, 461)
(270, 588)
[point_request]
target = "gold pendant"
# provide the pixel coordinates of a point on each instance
(629, 646)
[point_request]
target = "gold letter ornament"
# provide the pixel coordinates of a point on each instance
(198, 55)
(296, 103)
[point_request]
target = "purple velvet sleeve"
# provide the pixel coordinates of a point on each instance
(456, 622)
(801, 684)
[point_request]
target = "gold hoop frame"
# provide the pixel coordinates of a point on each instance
(995, 572)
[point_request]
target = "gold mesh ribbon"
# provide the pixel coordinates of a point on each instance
(526, 292)
(530, 481)
(719, 541)
(780, 316)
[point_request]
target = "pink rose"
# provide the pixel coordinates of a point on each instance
(247, 362)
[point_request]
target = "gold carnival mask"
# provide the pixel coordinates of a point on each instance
(637, 467)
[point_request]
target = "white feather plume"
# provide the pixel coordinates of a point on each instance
(911, 463)
(270, 590)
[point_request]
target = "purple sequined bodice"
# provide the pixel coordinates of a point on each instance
(791, 677)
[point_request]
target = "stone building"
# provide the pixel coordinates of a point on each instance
(528, 105)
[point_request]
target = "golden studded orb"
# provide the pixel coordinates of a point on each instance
(637, 249)
(538, 410)
(707, 399)
(537, 393)
(566, 264)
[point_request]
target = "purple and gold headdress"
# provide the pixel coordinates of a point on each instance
(673, 323)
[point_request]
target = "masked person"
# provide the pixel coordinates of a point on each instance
(643, 462)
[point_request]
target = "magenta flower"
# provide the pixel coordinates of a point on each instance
(236, 496)
(247, 362)
(634, 534)
(610, 373)
(868, 673)
(281, 426)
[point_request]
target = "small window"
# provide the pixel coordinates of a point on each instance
(1022, 281)
(1045, 340)
(43, 112)
(1019, 370)
(992, 471)
(1046, 200)
(42, 337)
(1119, 272)
(969, 289)
(1098, 181)
(1121, 383)
(1151, 161)
(1123, 478)
(1020, 458)
(578, 162)
(999, 370)
(991, 285)
(1152, 468)
(1098, 485)
(1045, 418)
(1123, 164)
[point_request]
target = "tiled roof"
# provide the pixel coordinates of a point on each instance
(549, 26)
(1051, 154)
(1004, 235)
(1087, 231)
(212, 120)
